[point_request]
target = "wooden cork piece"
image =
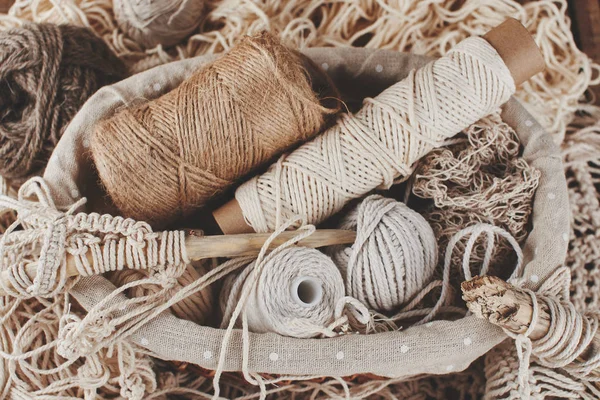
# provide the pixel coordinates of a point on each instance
(509, 307)
(504, 305)
(518, 49)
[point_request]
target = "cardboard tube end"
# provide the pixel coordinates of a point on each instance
(230, 219)
(518, 49)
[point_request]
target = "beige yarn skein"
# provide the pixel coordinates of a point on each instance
(394, 255)
(166, 158)
(154, 22)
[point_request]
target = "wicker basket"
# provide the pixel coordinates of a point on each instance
(438, 347)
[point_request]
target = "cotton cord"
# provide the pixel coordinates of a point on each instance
(158, 22)
(393, 258)
(345, 307)
(168, 157)
(47, 72)
(47, 235)
(566, 345)
(552, 97)
(112, 320)
(480, 178)
(383, 140)
(196, 308)
(298, 291)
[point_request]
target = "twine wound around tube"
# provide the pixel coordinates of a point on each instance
(167, 158)
(382, 141)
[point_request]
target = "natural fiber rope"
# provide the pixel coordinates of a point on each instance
(158, 22)
(111, 320)
(413, 26)
(344, 306)
(393, 258)
(564, 349)
(382, 141)
(47, 72)
(478, 179)
(217, 126)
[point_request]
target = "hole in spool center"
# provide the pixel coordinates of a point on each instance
(307, 291)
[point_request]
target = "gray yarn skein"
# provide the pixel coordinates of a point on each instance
(394, 255)
(154, 22)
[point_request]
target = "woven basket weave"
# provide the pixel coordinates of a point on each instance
(435, 348)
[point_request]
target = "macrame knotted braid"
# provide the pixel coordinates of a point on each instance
(97, 244)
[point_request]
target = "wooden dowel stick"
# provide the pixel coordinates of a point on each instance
(250, 244)
(507, 306)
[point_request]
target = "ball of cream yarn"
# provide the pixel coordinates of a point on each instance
(154, 22)
(394, 255)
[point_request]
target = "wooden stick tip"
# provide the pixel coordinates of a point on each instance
(486, 298)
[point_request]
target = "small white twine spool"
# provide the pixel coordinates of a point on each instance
(394, 255)
(154, 22)
(296, 295)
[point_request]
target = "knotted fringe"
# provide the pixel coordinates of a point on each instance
(561, 363)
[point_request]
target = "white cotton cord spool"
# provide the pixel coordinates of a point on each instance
(296, 294)
(393, 258)
(154, 22)
(382, 141)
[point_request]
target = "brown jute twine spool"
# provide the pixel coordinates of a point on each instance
(166, 158)
(47, 72)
